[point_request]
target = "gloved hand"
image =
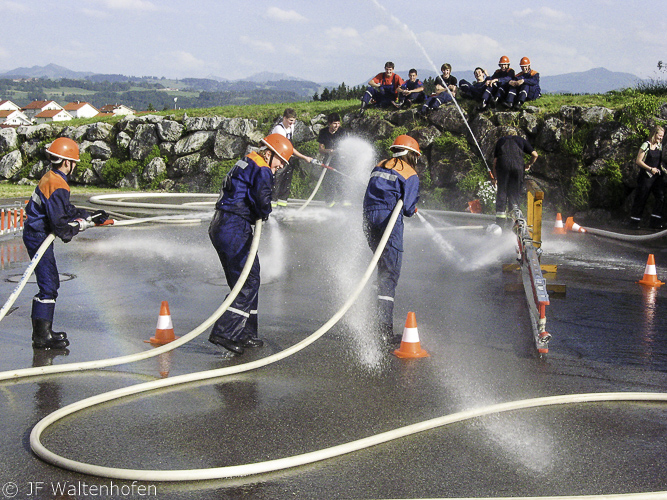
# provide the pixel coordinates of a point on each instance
(99, 217)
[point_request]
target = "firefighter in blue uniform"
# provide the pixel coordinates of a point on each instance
(50, 211)
(391, 180)
(474, 90)
(382, 89)
(498, 84)
(524, 87)
(245, 197)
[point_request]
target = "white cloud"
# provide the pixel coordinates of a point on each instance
(136, 5)
(289, 16)
(96, 14)
(12, 7)
(186, 60)
(543, 13)
(260, 45)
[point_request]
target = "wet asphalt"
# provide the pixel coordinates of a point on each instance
(608, 333)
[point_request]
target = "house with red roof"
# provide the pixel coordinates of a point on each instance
(117, 109)
(36, 107)
(80, 109)
(52, 115)
(6, 105)
(13, 118)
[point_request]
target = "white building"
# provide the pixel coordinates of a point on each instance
(7, 105)
(13, 118)
(36, 107)
(117, 109)
(52, 115)
(81, 109)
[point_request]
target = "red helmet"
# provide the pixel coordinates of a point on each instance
(524, 61)
(64, 148)
(504, 60)
(406, 142)
(280, 145)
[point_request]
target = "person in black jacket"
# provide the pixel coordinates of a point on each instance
(50, 211)
(508, 170)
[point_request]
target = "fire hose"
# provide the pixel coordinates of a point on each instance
(196, 474)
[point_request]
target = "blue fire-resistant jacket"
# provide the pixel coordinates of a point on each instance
(246, 191)
(49, 209)
(531, 78)
(390, 181)
(503, 77)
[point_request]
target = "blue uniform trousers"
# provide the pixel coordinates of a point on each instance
(383, 97)
(523, 93)
(232, 236)
(46, 273)
(434, 102)
(389, 265)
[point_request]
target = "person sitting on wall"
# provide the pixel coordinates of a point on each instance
(411, 92)
(476, 89)
(382, 89)
(445, 90)
(498, 85)
(524, 87)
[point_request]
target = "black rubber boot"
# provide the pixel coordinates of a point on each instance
(45, 338)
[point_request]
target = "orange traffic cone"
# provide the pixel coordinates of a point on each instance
(570, 225)
(650, 277)
(474, 207)
(559, 228)
(164, 332)
(410, 346)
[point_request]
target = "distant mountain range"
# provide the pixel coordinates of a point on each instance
(593, 81)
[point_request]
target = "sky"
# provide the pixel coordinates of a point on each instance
(331, 41)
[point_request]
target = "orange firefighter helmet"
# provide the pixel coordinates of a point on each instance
(64, 148)
(280, 145)
(406, 142)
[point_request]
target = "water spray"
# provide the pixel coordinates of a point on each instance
(447, 249)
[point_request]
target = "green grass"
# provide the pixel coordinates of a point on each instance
(8, 190)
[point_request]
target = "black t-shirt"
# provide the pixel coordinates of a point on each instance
(448, 81)
(330, 140)
(510, 150)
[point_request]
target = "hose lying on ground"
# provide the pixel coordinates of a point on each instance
(130, 358)
(197, 474)
(626, 237)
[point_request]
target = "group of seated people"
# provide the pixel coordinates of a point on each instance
(503, 88)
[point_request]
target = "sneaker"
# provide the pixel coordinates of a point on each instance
(507, 105)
